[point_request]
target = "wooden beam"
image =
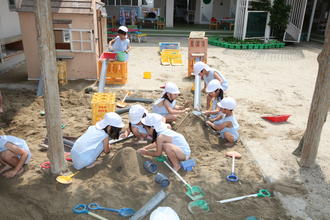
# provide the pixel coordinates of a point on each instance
(51, 94)
(319, 107)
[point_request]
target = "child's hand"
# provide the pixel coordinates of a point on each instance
(187, 109)
(203, 90)
(209, 123)
(141, 151)
(10, 174)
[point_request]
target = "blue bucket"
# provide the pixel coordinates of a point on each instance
(162, 180)
(150, 167)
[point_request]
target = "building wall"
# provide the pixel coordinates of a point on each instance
(82, 66)
(221, 9)
(9, 21)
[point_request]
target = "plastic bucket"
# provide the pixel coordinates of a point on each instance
(162, 180)
(121, 56)
(150, 167)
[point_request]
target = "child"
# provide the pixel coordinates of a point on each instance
(1, 108)
(207, 74)
(165, 140)
(95, 140)
(135, 114)
(215, 91)
(166, 105)
(121, 42)
(227, 126)
(14, 154)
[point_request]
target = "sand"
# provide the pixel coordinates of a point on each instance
(120, 180)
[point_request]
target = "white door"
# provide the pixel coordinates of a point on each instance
(206, 11)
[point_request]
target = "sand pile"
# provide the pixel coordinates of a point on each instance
(125, 165)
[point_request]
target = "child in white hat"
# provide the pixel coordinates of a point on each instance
(165, 140)
(208, 74)
(14, 154)
(95, 140)
(121, 43)
(166, 105)
(215, 91)
(227, 126)
(135, 114)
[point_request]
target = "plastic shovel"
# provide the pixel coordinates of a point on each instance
(122, 212)
(122, 103)
(232, 177)
(193, 192)
(262, 193)
(66, 179)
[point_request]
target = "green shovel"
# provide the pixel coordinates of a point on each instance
(193, 192)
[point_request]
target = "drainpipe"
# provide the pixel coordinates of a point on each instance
(311, 21)
(197, 92)
(103, 75)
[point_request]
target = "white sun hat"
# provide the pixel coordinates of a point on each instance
(199, 66)
(123, 28)
(213, 85)
(112, 119)
(160, 127)
(136, 113)
(152, 119)
(227, 103)
(172, 88)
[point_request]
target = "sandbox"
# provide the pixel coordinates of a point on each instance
(117, 182)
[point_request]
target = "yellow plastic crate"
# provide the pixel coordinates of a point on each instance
(170, 51)
(177, 62)
(116, 72)
(101, 104)
(165, 61)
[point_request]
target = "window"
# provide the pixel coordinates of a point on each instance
(75, 40)
(12, 5)
(122, 2)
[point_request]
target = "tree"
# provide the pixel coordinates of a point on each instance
(279, 18)
(319, 107)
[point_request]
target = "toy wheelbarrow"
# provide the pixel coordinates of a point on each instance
(193, 192)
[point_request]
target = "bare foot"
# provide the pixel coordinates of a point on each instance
(94, 164)
(5, 168)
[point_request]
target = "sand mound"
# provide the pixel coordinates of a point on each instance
(125, 165)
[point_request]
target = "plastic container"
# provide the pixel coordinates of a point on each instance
(150, 167)
(198, 206)
(162, 180)
(121, 56)
(162, 213)
(188, 165)
(147, 75)
(276, 118)
(101, 104)
(116, 72)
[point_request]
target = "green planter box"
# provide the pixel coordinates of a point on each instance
(232, 46)
(238, 46)
(244, 46)
(250, 46)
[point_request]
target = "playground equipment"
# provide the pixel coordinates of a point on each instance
(197, 49)
(233, 177)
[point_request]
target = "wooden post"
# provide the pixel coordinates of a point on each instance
(51, 97)
(320, 105)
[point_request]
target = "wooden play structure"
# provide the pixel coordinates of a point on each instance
(197, 49)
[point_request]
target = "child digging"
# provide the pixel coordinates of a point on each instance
(228, 125)
(215, 91)
(121, 42)
(166, 105)
(95, 140)
(207, 74)
(165, 140)
(14, 154)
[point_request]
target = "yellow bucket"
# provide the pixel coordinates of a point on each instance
(147, 75)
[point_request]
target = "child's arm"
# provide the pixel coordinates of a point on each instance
(220, 116)
(144, 150)
(219, 127)
(218, 77)
(106, 145)
(128, 48)
(171, 110)
(204, 89)
(158, 151)
(23, 156)
(111, 42)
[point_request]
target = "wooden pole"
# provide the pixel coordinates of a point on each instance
(51, 97)
(319, 107)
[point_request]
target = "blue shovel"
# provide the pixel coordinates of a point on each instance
(122, 212)
(232, 177)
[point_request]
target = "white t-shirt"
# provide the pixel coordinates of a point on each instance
(4, 139)
(120, 45)
(88, 147)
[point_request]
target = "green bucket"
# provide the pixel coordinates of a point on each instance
(121, 56)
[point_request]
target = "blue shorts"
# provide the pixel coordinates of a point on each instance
(232, 131)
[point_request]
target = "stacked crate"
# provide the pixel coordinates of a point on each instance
(197, 49)
(101, 104)
(116, 72)
(171, 57)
